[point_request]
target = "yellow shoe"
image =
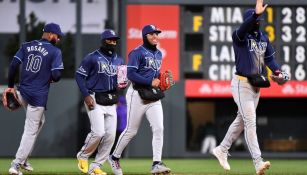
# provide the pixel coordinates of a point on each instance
(98, 171)
(83, 165)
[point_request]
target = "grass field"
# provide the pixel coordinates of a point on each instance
(63, 166)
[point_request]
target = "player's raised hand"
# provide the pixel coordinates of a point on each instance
(259, 9)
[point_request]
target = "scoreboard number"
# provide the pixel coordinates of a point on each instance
(286, 50)
(301, 31)
(287, 15)
(300, 73)
(300, 15)
(270, 30)
(286, 34)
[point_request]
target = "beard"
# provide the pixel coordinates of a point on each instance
(109, 49)
(53, 41)
(148, 45)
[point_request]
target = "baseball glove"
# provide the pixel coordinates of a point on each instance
(280, 77)
(122, 80)
(166, 80)
(10, 99)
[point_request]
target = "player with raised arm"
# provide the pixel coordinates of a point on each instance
(253, 52)
(41, 64)
(98, 81)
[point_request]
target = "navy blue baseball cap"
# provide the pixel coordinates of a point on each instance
(250, 12)
(109, 34)
(53, 28)
(150, 29)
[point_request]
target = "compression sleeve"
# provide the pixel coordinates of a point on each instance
(12, 71)
(245, 27)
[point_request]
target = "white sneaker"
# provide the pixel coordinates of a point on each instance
(27, 166)
(221, 157)
(261, 167)
(115, 165)
(14, 170)
(160, 168)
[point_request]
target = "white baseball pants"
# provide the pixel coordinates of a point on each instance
(136, 110)
(34, 122)
(246, 97)
(103, 129)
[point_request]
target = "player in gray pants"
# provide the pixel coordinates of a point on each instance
(41, 64)
(143, 71)
(98, 81)
(252, 52)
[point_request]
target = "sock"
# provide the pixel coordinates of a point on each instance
(155, 163)
(115, 158)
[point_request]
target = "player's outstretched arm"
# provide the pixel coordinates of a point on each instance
(249, 22)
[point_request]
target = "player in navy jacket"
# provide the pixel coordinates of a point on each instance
(97, 80)
(41, 64)
(253, 52)
(143, 70)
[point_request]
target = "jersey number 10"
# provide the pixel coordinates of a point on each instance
(34, 63)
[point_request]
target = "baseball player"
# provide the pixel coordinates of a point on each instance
(252, 51)
(41, 64)
(143, 70)
(97, 81)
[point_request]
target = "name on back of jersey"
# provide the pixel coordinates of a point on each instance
(37, 48)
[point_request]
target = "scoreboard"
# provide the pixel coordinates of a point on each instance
(207, 36)
(196, 41)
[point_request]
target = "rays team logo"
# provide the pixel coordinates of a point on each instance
(112, 32)
(153, 27)
(259, 48)
(81, 69)
(104, 68)
(153, 63)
